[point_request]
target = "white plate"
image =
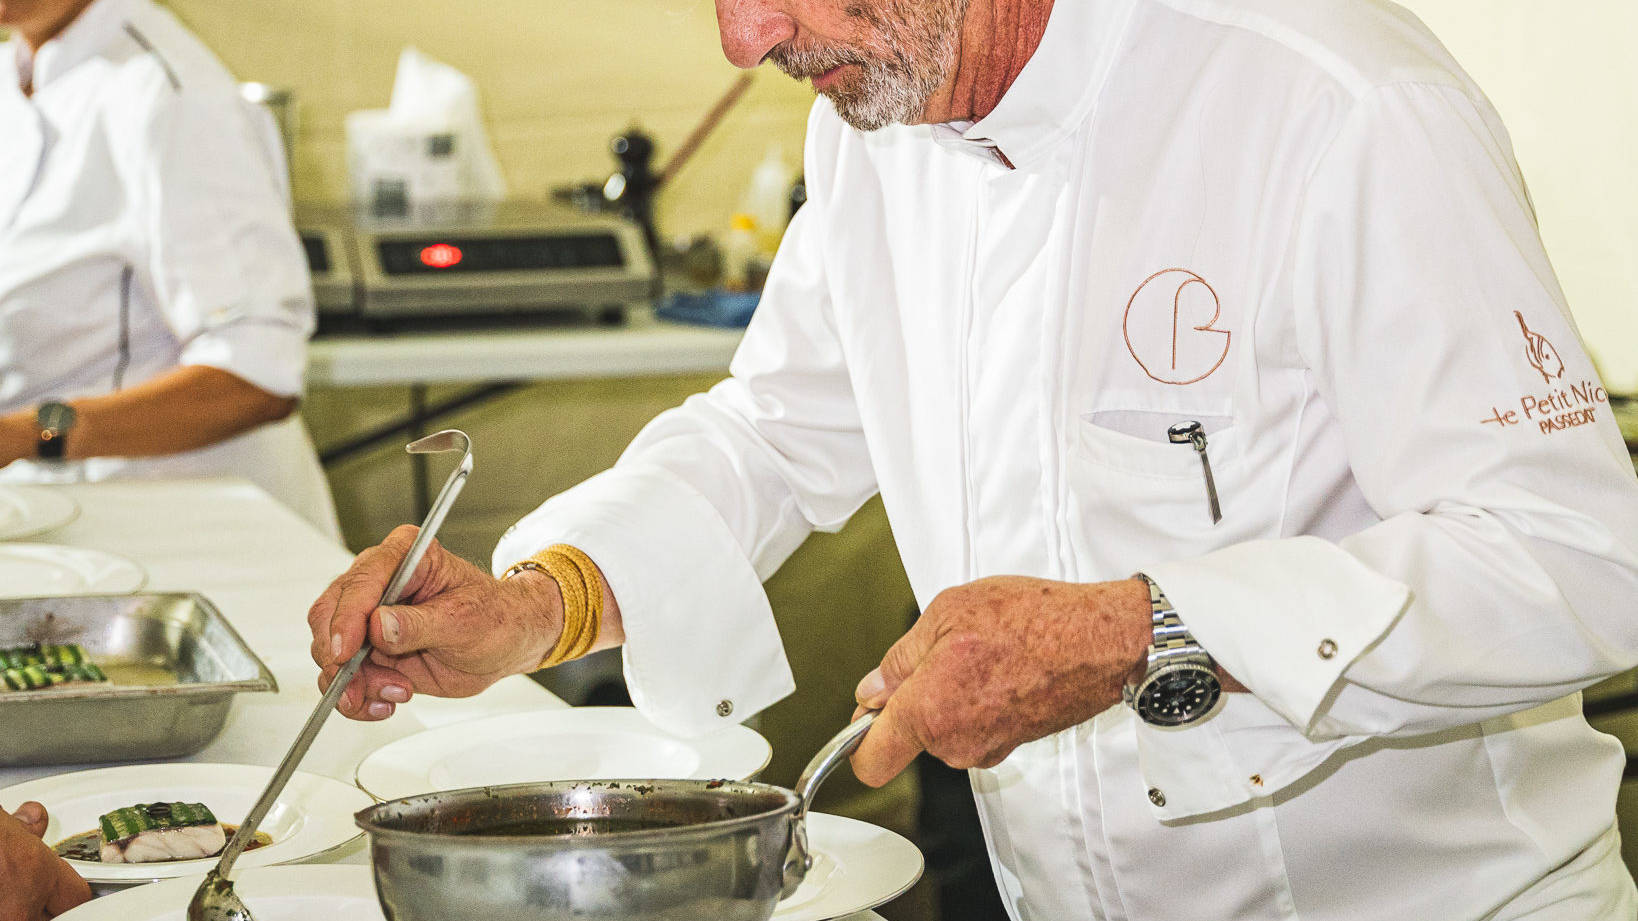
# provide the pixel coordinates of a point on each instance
(857, 866)
(29, 510)
(313, 815)
(333, 893)
(37, 570)
(580, 743)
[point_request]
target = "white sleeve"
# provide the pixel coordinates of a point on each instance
(713, 496)
(224, 261)
(1503, 573)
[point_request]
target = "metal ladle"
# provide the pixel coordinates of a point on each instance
(215, 899)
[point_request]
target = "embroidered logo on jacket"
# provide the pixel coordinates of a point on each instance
(1558, 408)
(1170, 328)
(1540, 353)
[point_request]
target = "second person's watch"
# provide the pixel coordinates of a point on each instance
(52, 422)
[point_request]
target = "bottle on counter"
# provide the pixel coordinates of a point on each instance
(740, 252)
(767, 199)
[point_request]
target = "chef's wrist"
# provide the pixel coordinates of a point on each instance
(1229, 683)
(541, 602)
(1136, 623)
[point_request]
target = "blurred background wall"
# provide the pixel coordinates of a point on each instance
(1565, 79)
(557, 79)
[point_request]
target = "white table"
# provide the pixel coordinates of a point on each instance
(642, 347)
(497, 361)
(262, 565)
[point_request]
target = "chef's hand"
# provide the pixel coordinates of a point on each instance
(457, 631)
(1000, 662)
(37, 883)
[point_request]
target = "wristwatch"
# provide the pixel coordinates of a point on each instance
(1176, 683)
(52, 423)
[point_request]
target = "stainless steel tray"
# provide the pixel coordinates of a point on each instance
(173, 663)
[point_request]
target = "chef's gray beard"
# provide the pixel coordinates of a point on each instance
(912, 52)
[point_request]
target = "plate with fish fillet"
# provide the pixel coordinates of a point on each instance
(148, 822)
(304, 893)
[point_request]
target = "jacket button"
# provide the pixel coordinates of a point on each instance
(1157, 797)
(1328, 649)
(725, 707)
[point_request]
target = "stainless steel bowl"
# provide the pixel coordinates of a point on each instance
(174, 664)
(616, 850)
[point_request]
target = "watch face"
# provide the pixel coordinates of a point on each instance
(1179, 694)
(56, 416)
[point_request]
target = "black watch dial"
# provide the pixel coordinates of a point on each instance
(1178, 694)
(53, 420)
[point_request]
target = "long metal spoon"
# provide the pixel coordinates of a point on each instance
(215, 899)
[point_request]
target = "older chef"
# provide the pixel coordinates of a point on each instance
(1246, 297)
(154, 302)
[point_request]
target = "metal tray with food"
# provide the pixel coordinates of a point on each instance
(100, 678)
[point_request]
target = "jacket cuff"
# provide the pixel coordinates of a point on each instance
(701, 650)
(1244, 752)
(1285, 617)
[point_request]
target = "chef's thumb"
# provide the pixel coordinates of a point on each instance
(33, 816)
(402, 629)
(888, 748)
(899, 663)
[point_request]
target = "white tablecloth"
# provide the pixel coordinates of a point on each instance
(262, 566)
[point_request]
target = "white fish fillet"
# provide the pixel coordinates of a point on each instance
(189, 843)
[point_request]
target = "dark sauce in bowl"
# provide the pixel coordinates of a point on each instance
(541, 828)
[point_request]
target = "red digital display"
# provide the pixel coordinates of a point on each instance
(440, 256)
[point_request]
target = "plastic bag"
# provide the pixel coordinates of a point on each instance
(428, 146)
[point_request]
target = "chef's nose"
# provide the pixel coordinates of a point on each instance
(752, 28)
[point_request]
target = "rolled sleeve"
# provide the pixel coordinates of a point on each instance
(273, 356)
(223, 258)
(692, 665)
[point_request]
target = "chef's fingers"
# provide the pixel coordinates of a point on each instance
(340, 616)
(888, 748)
(365, 696)
(899, 663)
(33, 816)
(383, 683)
(67, 888)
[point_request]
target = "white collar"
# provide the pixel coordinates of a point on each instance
(1054, 92)
(89, 34)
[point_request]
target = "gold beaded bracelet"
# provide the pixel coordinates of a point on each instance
(581, 586)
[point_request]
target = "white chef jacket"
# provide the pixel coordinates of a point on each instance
(144, 226)
(1299, 223)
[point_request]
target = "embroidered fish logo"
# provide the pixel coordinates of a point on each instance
(1540, 353)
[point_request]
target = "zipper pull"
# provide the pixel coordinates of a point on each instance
(1192, 433)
